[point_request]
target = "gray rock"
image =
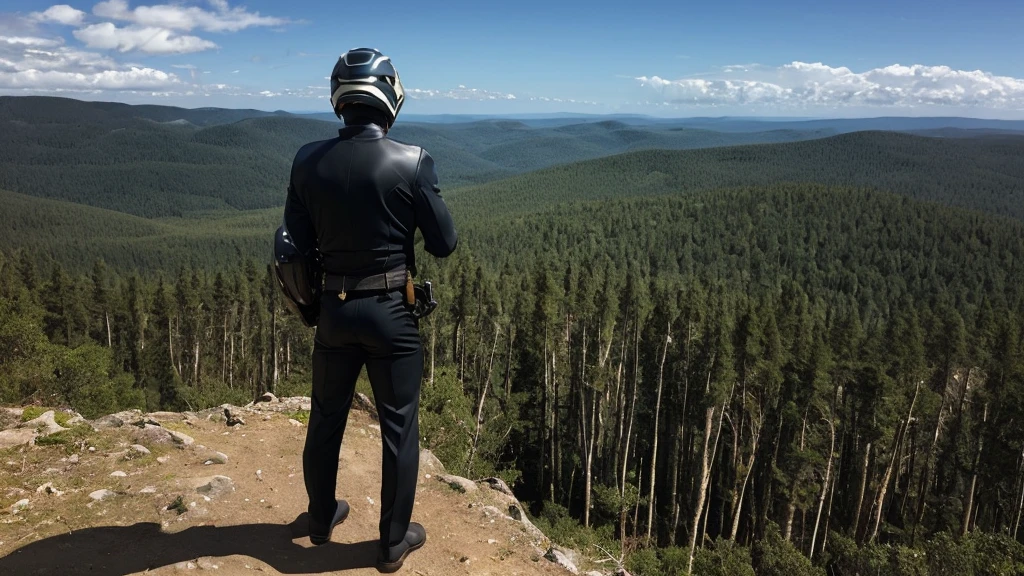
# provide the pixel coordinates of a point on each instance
(232, 416)
(119, 474)
(101, 495)
(185, 566)
(499, 485)
(363, 402)
(217, 458)
(181, 438)
(458, 483)
(73, 459)
(430, 463)
(491, 511)
(118, 419)
(44, 423)
(19, 506)
(49, 489)
(267, 397)
(559, 557)
(294, 422)
(213, 486)
(153, 434)
(594, 573)
(141, 449)
(207, 564)
(163, 459)
(16, 437)
(148, 490)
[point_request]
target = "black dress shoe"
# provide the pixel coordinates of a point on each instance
(391, 561)
(318, 535)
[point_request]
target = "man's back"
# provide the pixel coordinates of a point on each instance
(360, 198)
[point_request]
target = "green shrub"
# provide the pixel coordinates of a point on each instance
(558, 525)
(644, 562)
(776, 556)
(723, 558)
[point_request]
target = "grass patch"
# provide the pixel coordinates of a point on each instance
(75, 438)
(178, 506)
(300, 415)
(33, 412)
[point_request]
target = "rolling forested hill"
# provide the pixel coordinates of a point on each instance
(978, 173)
(160, 161)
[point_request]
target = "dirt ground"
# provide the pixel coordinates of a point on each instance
(258, 527)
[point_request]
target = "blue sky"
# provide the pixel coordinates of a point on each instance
(788, 58)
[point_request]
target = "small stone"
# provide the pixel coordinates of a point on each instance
(185, 566)
(141, 449)
(92, 448)
(73, 459)
(163, 459)
(119, 474)
(148, 490)
(294, 422)
(368, 499)
(492, 541)
(205, 564)
(101, 495)
(19, 505)
(259, 475)
(268, 397)
(49, 489)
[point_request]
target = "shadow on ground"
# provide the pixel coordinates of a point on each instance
(110, 550)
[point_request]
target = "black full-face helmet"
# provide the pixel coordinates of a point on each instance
(365, 76)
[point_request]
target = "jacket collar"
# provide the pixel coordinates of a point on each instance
(361, 132)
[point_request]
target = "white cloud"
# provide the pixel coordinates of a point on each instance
(29, 41)
(131, 79)
(61, 14)
(186, 18)
(805, 85)
(151, 40)
(460, 93)
(44, 64)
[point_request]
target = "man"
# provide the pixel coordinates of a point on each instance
(358, 199)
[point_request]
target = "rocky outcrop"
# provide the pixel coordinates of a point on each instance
(45, 424)
(458, 483)
(429, 463)
(562, 557)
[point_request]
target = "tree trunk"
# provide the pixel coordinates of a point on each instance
(654, 440)
(224, 350)
(110, 337)
(703, 486)
(483, 397)
(897, 442)
(824, 485)
(863, 490)
(974, 477)
(755, 440)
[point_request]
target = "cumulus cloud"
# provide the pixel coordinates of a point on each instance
(807, 85)
(151, 40)
(222, 18)
(45, 64)
(61, 14)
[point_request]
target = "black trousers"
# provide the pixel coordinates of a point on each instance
(378, 331)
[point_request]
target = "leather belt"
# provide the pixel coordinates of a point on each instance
(391, 280)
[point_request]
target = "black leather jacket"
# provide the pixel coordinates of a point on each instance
(359, 199)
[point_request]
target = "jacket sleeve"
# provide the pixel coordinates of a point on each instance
(297, 220)
(432, 216)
